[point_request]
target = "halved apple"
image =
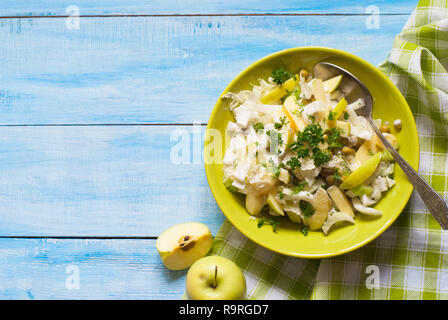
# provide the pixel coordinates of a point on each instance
(362, 173)
(181, 245)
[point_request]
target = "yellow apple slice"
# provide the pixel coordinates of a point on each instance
(345, 127)
(340, 200)
(364, 153)
(337, 112)
(290, 83)
(289, 107)
(362, 173)
(318, 90)
(273, 95)
(331, 84)
(276, 208)
(183, 244)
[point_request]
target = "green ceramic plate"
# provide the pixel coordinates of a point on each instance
(389, 105)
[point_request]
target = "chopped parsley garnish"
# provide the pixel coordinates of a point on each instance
(346, 116)
(307, 208)
(320, 157)
(304, 230)
(312, 134)
(296, 93)
(334, 135)
(259, 127)
(281, 195)
(279, 125)
(313, 118)
(273, 222)
(309, 140)
(337, 176)
(299, 187)
(294, 163)
(280, 75)
(331, 115)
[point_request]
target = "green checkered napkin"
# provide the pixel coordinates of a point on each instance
(412, 255)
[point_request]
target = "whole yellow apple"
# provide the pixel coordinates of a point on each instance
(215, 278)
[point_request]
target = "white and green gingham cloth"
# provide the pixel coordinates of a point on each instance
(411, 257)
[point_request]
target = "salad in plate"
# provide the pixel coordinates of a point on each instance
(298, 149)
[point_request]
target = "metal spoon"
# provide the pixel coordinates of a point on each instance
(354, 89)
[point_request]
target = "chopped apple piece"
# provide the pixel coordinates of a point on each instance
(276, 208)
(267, 183)
(183, 244)
(318, 90)
(274, 95)
(331, 84)
(293, 217)
(289, 84)
(255, 203)
(321, 204)
(345, 127)
(364, 153)
(337, 112)
(284, 176)
(340, 200)
(362, 173)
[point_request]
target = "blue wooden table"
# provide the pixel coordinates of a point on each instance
(88, 108)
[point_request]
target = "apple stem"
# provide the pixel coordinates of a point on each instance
(216, 275)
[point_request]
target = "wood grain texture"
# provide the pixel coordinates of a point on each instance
(58, 7)
(101, 181)
(154, 70)
(108, 269)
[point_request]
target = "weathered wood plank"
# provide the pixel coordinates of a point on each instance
(154, 70)
(100, 181)
(107, 269)
(97, 7)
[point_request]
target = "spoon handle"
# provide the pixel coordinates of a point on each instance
(433, 201)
